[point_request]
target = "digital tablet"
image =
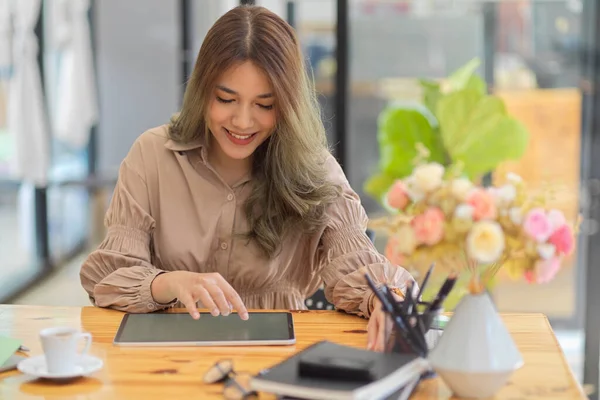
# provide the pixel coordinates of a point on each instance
(180, 329)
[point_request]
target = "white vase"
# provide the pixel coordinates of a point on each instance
(476, 354)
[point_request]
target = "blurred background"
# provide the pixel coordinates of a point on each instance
(80, 80)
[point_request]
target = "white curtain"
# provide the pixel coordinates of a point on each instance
(76, 103)
(27, 120)
(5, 39)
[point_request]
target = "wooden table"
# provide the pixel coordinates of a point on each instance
(169, 373)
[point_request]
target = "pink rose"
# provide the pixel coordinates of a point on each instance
(563, 240)
(429, 226)
(537, 225)
(483, 203)
(557, 218)
(392, 253)
(397, 197)
(529, 277)
(545, 270)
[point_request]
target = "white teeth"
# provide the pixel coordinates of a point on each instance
(241, 137)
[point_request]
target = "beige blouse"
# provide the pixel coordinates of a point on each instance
(171, 211)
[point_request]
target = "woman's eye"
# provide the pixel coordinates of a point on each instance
(222, 100)
(227, 101)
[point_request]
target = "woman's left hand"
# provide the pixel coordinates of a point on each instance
(379, 327)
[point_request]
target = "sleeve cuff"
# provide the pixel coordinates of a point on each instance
(366, 306)
(368, 303)
(146, 293)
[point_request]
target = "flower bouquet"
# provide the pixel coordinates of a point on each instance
(440, 216)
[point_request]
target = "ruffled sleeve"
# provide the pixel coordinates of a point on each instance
(118, 274)
(349, 254)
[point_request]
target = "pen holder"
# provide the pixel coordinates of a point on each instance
(433, 332)
(397, 343)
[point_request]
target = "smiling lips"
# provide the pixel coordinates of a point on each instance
(236, 138)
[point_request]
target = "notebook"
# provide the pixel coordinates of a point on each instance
(12, 362)
(406, 391)
(391, 373)
(8, 346)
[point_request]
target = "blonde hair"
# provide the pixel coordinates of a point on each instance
(290, 185)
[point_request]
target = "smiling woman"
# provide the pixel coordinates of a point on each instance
(241, 116)
(250, 79)
(238, 203)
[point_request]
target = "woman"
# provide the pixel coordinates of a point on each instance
(237, 203)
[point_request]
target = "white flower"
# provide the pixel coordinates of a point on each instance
(464, 211)
(506, 194)
(503, 196)
(407, 241)
(546, 250)
(413, 191)
(428, 177)
(515, 215)
(513, 178)
(485, 242)
(460, 188)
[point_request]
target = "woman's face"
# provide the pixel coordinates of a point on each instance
(241, 114)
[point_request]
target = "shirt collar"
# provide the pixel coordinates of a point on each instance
(177, 146)
(193, 145)
(198, 144)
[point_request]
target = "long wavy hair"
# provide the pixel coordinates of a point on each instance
(290, 185)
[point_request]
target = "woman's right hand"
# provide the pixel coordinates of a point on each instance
(211, 289)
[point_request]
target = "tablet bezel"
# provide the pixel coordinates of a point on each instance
(278, 342)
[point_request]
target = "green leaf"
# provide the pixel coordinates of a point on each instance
(462, 78)
(400, 129)
(506, 141)
(378, 185)
(476, 83)
(431, 94)
(428, 83)
(455, 115)
(458, 79)
(476, 130)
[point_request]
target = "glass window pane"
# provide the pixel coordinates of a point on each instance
(530, 58)
(17, 237)
(315, 23)
(68, 206)
(18, 260)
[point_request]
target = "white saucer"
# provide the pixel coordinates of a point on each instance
(36, 366)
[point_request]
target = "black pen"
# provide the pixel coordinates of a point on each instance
(406, 304)
(420, 322)
(405, 318)
(396, 308)
(403, 329)
(413, 313)
(442, 293)
(427, 275)
(388, 302)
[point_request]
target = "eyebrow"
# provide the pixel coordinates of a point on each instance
(231, 91)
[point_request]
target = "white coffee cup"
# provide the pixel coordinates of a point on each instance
(60, 348)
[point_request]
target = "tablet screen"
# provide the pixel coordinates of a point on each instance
(181, 328)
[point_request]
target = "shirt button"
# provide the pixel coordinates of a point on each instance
(224, 246)
(229, 197)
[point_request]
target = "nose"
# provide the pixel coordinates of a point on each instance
(242, 119)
